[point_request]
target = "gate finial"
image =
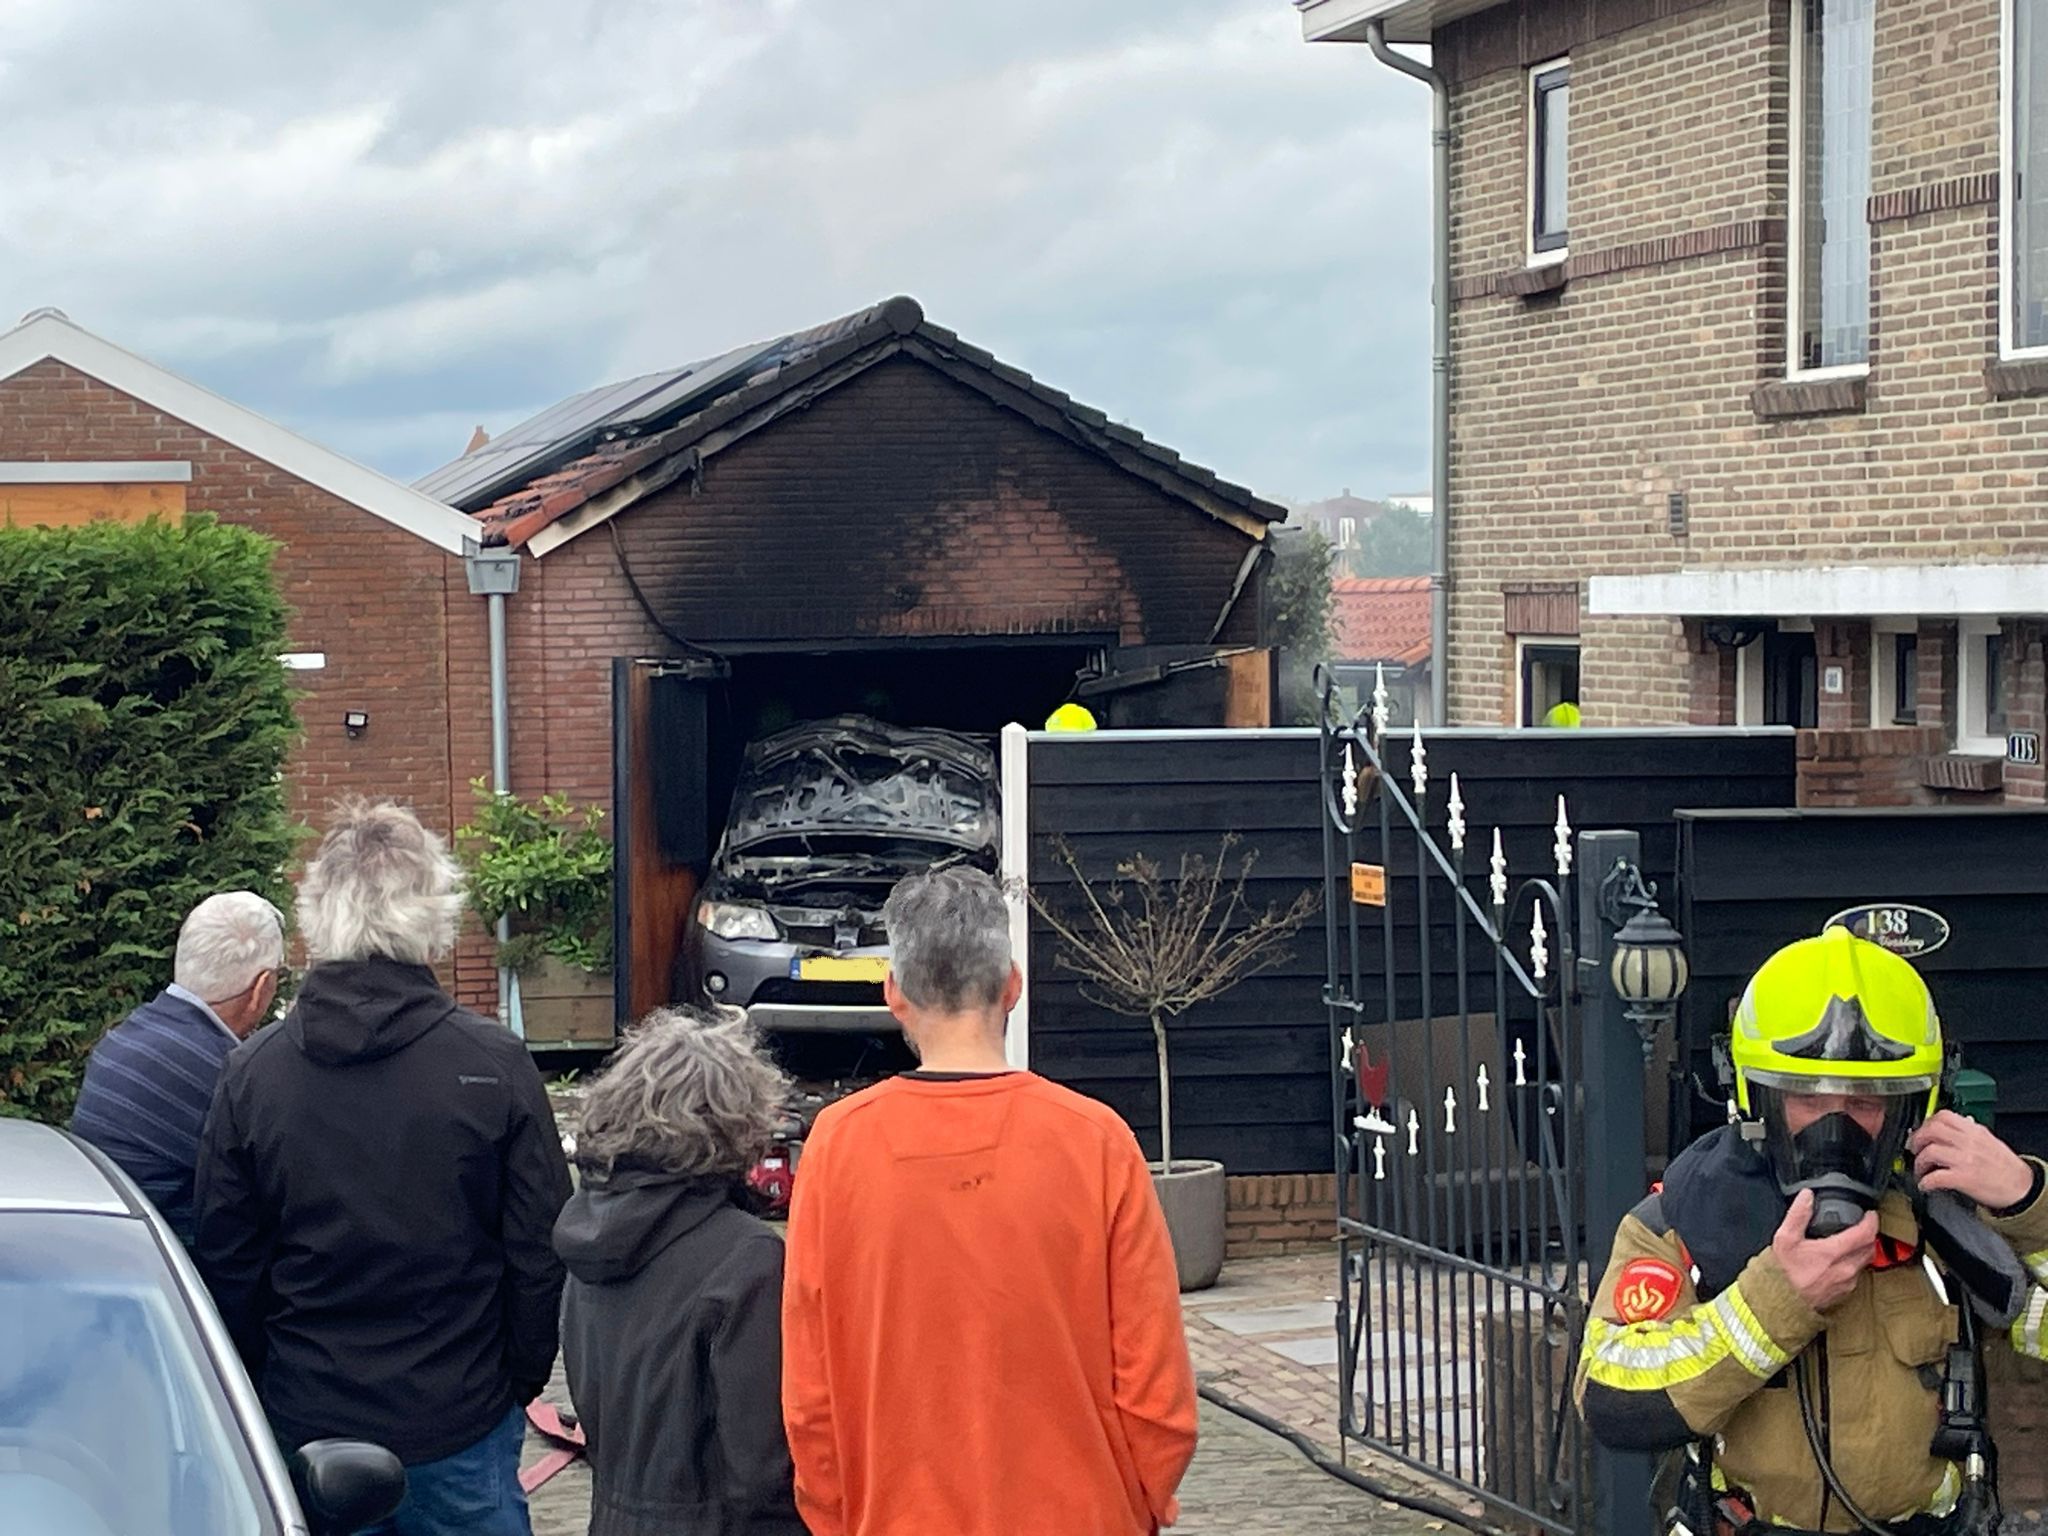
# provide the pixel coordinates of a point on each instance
(1350, 790)
(1380, 708)
(1414, 1129)
(1379, 1157)
(1539, 943)
(1499, 879)
(1564, 842)
(1457, 816)
(1418, 761)
(1483, 1086)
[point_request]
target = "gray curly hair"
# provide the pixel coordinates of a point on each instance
(690, 1093)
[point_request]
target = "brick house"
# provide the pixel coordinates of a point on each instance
(1749, 313)
(871, 515)
(1380, 633)
(383, 626)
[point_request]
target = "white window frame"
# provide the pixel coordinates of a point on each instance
(1971, 704)
(1749, 684)
(2008, 212)
(1347, 530)
(1795, 225)
(1523, 644)
(1884, 661)
(1533, 148)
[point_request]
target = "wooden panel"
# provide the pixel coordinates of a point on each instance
(1255, 1061)
(653, 895)
(69, 506)
(1753, 882)
(1541, 608)
(1248, 701)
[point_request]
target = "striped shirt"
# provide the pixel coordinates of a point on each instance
(148, 1085)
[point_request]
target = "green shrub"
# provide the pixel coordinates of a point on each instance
(545, 864)
(144, 721)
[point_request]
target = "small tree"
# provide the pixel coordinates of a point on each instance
(545, 864)
(1299, 617)
(1152, 945)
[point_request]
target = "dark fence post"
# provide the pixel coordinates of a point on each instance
(1614, 1129)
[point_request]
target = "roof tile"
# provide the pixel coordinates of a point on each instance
(1380, 618)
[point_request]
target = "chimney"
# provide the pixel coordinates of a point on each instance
(476, 440)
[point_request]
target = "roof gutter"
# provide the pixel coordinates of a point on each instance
(1440, 362)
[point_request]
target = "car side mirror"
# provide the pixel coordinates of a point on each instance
(345, 1485)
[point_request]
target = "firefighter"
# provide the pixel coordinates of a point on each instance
(1071, 717)
(1793, 1312)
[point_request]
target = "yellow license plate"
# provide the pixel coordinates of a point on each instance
(842, 967)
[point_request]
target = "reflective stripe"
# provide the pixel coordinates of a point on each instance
(1651, 1357)
(2037, 1266)
(2027, 1328)
(1951, 1489)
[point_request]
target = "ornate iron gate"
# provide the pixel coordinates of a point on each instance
(1455, 1077)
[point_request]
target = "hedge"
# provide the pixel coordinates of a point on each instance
(144, 722)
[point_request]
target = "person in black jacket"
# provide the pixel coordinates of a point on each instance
(377, 1187)
(671, 1323)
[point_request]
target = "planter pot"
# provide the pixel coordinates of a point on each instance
(1192, 1197)
(561, 1005)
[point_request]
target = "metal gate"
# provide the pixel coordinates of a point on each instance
(1456, 1081)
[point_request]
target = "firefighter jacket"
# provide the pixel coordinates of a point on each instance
(1696, 1334)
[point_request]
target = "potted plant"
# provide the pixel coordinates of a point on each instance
(545, 865)
(1152, 945)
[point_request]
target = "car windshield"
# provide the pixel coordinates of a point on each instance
(112, 1423)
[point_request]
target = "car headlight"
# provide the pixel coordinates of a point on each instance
(729, 921)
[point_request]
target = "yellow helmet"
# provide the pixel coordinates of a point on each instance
(1837, 1014)
(1837, 1055)
(1071, 717)
(1563, 716)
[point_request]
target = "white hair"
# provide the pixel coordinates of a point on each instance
(381, 887)
(225, 943)
(949, 939)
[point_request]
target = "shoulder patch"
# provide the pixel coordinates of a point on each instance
(1646, 1290)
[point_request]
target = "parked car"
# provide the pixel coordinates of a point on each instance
(826, 818)
(124, 1409)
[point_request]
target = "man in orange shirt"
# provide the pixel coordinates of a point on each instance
(981, 1320)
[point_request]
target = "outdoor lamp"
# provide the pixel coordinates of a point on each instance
(1649, 970)
(355, 722)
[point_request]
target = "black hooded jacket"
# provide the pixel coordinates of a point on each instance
(377, 1185)
(672, 1341)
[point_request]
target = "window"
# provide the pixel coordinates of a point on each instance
(1895, 678)
(2023, 320)
(1550, 99)
(1347, 532)
(1550, 679)
(1830, 309)
(1980, 687)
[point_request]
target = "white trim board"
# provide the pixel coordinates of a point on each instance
(46, 335)
(1016, 876)
(86, 472)
(1839, 591)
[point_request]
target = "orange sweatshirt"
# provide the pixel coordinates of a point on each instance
(981, 1320)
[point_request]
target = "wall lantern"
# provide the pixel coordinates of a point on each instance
(1649, 969)
(355, 722)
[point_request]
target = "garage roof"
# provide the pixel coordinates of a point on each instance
(582, 461)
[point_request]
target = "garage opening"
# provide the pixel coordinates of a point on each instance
(682, 731)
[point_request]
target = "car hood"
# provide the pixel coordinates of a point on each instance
(853, 789)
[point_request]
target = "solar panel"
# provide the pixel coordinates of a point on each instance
(575, 426)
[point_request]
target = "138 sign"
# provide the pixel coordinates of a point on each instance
(1903, 929)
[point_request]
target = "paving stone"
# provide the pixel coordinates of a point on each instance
(1287, 1319)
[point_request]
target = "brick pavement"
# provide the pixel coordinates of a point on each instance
(1243, 1479)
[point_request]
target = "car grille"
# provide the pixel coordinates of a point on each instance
(820, 994)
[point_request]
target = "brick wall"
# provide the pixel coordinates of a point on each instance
(1845, 767)
(380, 602)
(1578, 411)
(1280, 1213)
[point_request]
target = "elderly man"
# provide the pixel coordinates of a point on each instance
(1002, 1235)
(377, 1189)
(149, 1081)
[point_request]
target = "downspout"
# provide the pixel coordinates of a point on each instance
(1440, 366)
(494, 575)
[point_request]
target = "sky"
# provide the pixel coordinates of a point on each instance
(388, 222)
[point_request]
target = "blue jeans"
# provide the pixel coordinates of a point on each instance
(475, 1492)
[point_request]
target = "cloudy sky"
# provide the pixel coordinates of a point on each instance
(385, 222)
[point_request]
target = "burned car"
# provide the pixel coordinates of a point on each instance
(826, 818)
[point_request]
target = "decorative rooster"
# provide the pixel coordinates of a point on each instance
(1372, 1087)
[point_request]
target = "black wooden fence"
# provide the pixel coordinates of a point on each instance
(1251, 1071)
(1749, 881)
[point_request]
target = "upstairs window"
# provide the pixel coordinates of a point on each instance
(1550, 101)
(2023, 321)
(1831, 79)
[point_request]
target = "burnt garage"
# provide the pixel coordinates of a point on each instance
(871, 517)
